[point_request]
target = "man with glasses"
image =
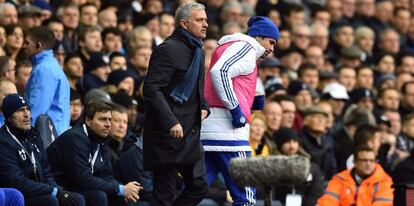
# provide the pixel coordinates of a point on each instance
(365, 184)
(229, 91)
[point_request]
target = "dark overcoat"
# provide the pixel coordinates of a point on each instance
(168, 65)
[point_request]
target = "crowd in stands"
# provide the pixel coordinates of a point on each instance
(339, 86)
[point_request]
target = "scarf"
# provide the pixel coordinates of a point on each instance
(183, 90)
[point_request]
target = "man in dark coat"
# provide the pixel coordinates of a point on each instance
(23, 160)
(80, 160)
(175, 106)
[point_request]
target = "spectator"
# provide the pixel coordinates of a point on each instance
(270, 67)
(367, 178)
(166, 25)
(68, 14)
(139, 62)
(395, 119)
(23, 155)
(389, 41)
(344, 139)
(76, 107)
(29, 16)
(365, 77)
(337, 96)
(14, 42)
(122, 80)
(80, 161)
(350, 57)
(7, 69)
(364, 39)
(273, 113)
(73, 69)
(98, 72)
(314, 55)
(388, 99)
(6, 88)
(88, 15)
(366, 135)
(117, 61)
(347, 77)
(112, 40)
(288, 144)
(47, 90)
(313, 140)
(362, 98)
(407, 98)
(309, 74)
(8, 14)
(303, 99)
(301, 36)
(23, 70)
(57, 28)
(107, 19)
(405, 140)
(140, 37)
(119, 126)
(288, 110)
(90, 42)
(257, 129)
(320, 36)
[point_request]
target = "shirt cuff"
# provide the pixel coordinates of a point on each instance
(121, 190)
(54, 192)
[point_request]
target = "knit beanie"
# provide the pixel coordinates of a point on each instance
(12, 103)
(97, 60)
(262, 27)
(117, 76)
(284, 135)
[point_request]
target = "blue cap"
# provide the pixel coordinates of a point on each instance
(12, 103)
(263, 27)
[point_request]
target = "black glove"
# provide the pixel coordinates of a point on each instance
(66, 198)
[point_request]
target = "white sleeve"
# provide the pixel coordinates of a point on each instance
(238, 59)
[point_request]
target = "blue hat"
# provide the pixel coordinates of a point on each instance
(12, 103)
(263, 27)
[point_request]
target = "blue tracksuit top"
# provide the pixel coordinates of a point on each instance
(48, 91)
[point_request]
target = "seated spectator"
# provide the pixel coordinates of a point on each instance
(257, 130)
(80, 160)
(117, 61)
(365, 135)
(118, 132)
(6, 88)
(122, 80)
(314, 141)
(97, 73)
(130, 167)
(23, 159)
(76, 107)
(365, 184)
(287, 142)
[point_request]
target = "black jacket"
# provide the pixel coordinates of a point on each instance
(130, 167)
(344, 146)
(168, 66)
(17, 170)
(70, 156)
(322, 154)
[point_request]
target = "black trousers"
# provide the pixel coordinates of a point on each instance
(49, 200)
(165, 179)
(100, 198)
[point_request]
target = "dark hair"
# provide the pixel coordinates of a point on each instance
(9, 29)
(70, 56)
(382, 92)
(305, 67)
(317, 10)
(81, 7)
(398, 9)
(361, 67)
(294, 8)
(94, 107)
(119, 108)
(110, 30)
(281, 98)
(51, 21)
(363, 134)
(115, 54)
(42, 35)
(362, 148)
(407, 118)
(84, 31)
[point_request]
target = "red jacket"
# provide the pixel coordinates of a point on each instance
(375, 190)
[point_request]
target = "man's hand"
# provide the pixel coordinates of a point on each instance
(177, 131)
(131, 191)
(204, 114)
